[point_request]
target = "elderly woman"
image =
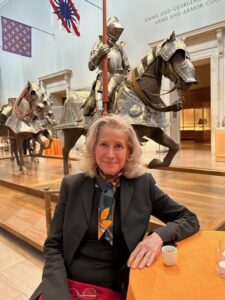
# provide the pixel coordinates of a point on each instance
(98, 229)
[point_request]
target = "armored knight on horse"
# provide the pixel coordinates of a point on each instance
(137, 96)
(25, 119)
(118, 66)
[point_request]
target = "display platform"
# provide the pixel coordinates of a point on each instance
(27, 225)
(22, 207)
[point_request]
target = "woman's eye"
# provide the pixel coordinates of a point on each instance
(119, 146)
(103, 144)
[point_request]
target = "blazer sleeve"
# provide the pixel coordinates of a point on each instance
(180, 221)
(54, 278)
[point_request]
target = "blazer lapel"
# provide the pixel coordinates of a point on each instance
(87, 196)
(79, 223)
(126, 192)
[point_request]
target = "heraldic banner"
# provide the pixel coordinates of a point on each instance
(16, 37)
(65, 16)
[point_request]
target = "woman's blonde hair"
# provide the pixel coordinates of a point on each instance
(133, 167)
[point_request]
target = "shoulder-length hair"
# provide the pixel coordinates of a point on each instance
(133, 166)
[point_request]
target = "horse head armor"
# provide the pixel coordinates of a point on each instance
(183, 67)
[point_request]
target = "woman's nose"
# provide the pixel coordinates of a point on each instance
(110, 152)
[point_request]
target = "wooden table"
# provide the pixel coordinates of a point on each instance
(192, 278)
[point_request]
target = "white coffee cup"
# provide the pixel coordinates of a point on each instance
(220, 258)
(169, 254)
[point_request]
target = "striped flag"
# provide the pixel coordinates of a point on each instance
(65, 15)
(16, 37)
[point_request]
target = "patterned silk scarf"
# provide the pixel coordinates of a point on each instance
(106, 205)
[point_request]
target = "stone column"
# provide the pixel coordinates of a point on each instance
(221, 66)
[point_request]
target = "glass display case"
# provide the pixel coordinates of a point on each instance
(202, 119)
(195, 123)
(187, 119)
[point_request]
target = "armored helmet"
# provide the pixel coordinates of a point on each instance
(114, 29)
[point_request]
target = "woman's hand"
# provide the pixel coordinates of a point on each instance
(145, 252)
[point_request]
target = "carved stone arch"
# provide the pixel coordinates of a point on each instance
(57, 86)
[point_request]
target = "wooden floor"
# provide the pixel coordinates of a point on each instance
(192, 157)
(20, 268)
(22, 209)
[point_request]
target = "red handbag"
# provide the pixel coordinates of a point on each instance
(86, 291)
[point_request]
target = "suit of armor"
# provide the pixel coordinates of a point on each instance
(118, 65)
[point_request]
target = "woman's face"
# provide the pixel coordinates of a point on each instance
(111, 150)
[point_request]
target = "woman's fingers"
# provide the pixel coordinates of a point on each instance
(146, 261)
(141, 259)
(136, 256)
(145, 252)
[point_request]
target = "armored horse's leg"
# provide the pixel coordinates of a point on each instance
(14, 151)
(161, 138)
(41, 139)
(48, 135)
(19, 143)
(32, 149)
(71, 136)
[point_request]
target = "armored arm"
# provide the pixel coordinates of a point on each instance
(125, 61)
(98, 52)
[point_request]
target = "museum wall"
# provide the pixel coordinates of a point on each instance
(54, 50)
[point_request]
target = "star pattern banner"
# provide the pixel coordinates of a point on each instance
(16, 37)
(65, 15)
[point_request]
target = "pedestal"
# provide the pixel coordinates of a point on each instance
(55, 150)
(220, 144)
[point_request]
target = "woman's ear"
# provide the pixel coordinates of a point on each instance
(128, 155)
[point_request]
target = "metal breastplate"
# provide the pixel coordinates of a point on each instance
(115, 59)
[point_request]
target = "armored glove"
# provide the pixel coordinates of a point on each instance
(97, 58)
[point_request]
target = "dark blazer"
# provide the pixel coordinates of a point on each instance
(140, 198)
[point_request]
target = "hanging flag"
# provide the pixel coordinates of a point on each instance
(16, 37)
(65, 14)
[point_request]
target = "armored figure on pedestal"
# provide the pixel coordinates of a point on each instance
(6, 111)
(118, 66)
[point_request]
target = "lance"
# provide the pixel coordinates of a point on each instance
(105, 63)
